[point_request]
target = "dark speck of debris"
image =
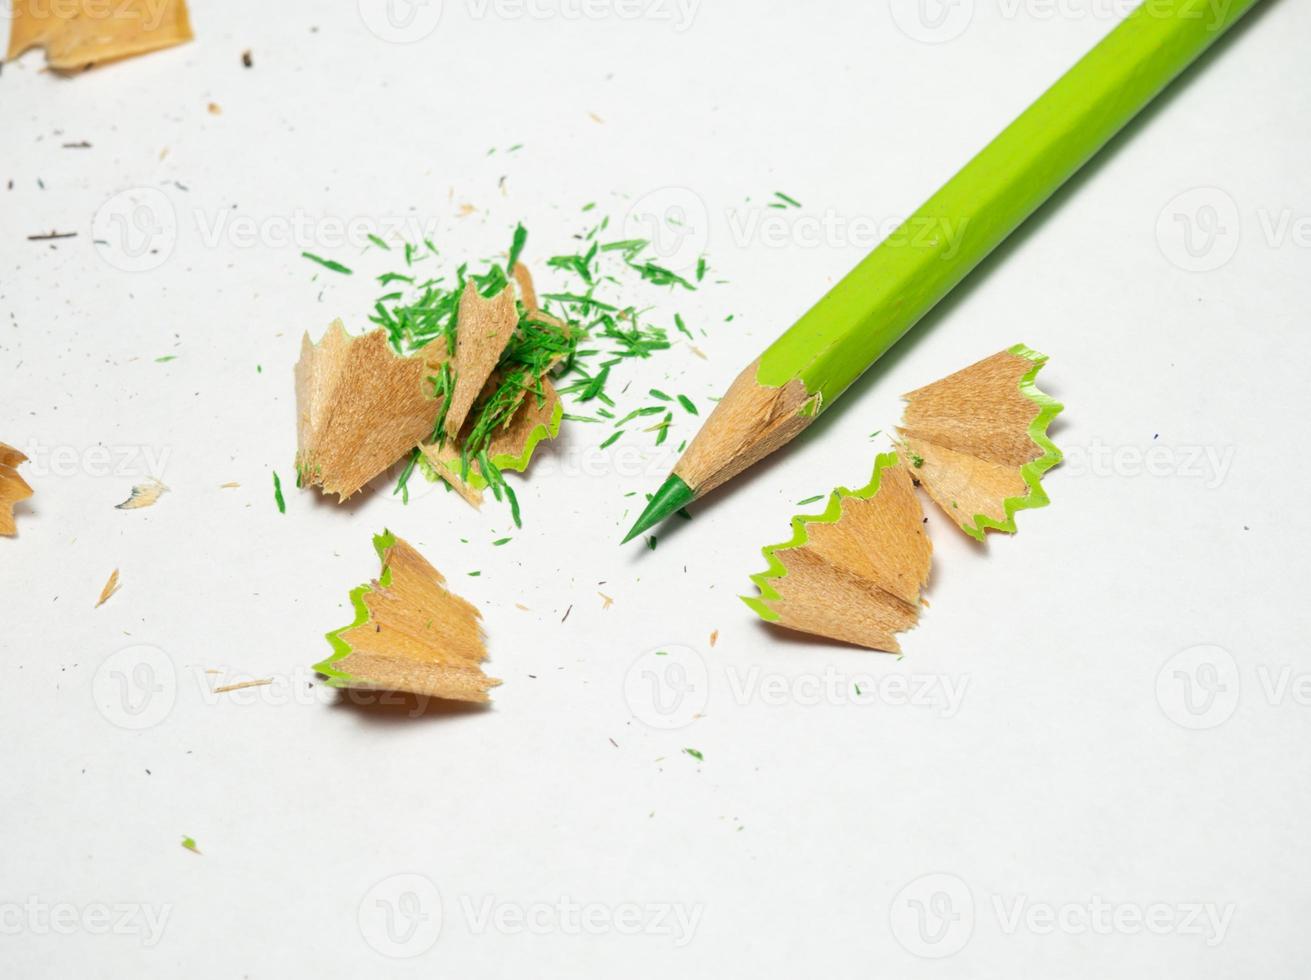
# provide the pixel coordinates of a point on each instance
(52, 236)
(84, 145)
(567, 612)
(247, 58)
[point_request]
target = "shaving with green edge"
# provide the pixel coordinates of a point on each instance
(576, 337)
(976, 442)
(409, 633)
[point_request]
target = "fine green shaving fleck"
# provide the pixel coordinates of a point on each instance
(277, 493)
(328, 263)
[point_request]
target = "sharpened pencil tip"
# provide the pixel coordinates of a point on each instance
(673, 495)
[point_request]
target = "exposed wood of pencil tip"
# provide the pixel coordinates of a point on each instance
(750, 422)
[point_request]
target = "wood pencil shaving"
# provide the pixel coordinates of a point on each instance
(977, 443)
(360, 408)
(77, 34)
(855, 572)
(410, 633)
(13, 487)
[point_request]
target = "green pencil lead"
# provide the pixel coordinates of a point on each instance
(673, 495)
(687, 404)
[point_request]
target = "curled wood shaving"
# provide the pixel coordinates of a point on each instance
(855, 573)
(13, 487)
(976, 440)
(360, 408)
(411, 633)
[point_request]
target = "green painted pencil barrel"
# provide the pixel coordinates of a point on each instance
(901, 280)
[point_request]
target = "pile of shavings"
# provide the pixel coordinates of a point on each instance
(571, 342)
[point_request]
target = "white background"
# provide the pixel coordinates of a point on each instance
(1094, 755)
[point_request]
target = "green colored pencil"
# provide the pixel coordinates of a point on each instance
(814, 362)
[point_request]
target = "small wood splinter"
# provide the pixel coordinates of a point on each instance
(13, 487)
(143, 495)
(855, 572)
(410, 633)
